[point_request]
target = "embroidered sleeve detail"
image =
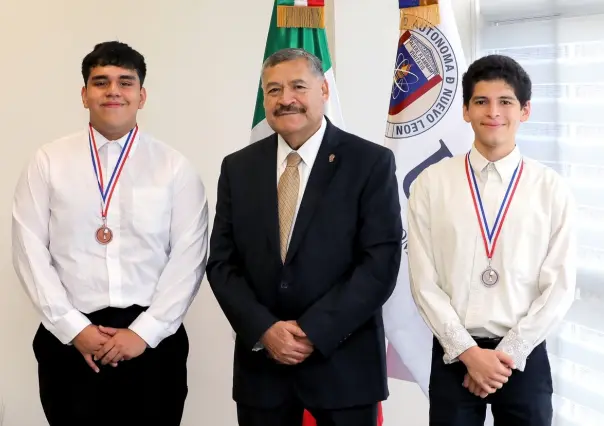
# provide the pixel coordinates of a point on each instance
(455, 341)
(516, 347)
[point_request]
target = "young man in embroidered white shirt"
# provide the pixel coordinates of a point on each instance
(109, 241)
(492, 261)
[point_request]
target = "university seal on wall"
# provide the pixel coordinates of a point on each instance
(424, 82)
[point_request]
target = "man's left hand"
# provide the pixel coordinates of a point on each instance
(474, 387)
(124, 345)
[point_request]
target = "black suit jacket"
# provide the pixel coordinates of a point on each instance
(341, 266)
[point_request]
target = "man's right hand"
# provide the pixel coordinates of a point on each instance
(283, 343)
(88, 341)
(488, 368)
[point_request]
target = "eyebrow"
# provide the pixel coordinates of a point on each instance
(272, 84)
(105, 77)
(507, 98)
(293, 82)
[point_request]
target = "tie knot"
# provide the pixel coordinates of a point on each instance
(293, 159)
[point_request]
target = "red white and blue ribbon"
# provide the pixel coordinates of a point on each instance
(107, 192)
(489, 235)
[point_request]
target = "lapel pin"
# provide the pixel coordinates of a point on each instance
(331, 158)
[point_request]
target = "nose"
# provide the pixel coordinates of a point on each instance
(113, 89)
(287, 97)
(493, 110)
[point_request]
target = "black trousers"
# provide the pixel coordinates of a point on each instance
(290, 414)
(525, 400)
(148, 390)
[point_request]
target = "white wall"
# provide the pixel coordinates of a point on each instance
(202, 82)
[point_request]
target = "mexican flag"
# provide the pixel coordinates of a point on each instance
(300, 24)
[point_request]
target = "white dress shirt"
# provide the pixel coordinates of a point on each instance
(308, 152)
(159, 219)
(534, 255)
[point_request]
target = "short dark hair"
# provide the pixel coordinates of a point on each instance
(497, 67)
(291, 54)
(117, 54)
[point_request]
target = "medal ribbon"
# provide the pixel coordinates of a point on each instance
(107, 193)
(490, 236)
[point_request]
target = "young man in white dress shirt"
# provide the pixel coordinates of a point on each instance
(109, 241)
(492, 261)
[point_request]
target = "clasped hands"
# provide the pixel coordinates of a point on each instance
(286, 343)
(109, 345)
(488, 370)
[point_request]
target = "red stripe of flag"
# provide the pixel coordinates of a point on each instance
(308, 419)
(430, 84)
(316, 2)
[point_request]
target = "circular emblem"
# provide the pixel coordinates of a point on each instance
(489, 277)
(104, 235)
(424, 83)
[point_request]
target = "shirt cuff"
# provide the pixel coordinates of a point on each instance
(516, 347)
(455, 341)
(70, 325)
(257, 347)
(149, 329)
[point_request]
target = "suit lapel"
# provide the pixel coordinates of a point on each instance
(267, 193)
(320, 176)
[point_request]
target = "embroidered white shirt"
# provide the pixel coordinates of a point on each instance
(535, 254)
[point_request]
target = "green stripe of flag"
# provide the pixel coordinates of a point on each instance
(314, 40)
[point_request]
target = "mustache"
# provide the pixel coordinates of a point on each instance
(289, 109)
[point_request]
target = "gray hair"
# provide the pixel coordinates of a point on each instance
(291, 54)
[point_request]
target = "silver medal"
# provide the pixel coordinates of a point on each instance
(489, 277)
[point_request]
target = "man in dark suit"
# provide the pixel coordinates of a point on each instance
(304, 251)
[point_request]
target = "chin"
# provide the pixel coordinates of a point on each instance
(290, 122)
(285, 128)
(286, 131)
(489, 140)
(115, 125)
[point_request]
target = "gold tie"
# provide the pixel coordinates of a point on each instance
(287, 193)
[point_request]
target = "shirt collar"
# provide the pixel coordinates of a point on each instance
(505, 166)
(308, 151)
(102, 140)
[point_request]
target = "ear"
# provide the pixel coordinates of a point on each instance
(526, 112)
(466, 114)
(84, 97)
(325, 89)
(143, 99)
